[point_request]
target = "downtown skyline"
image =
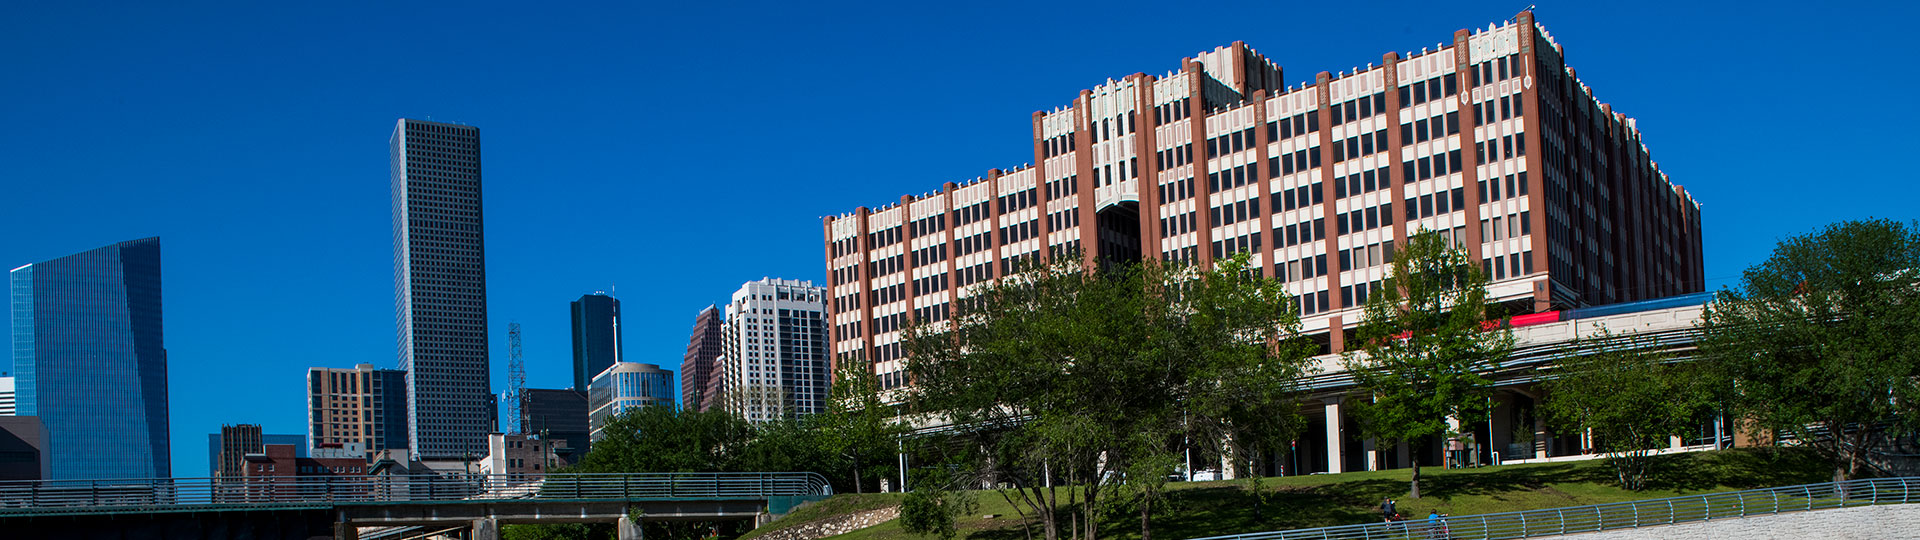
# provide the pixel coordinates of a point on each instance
(279, 237)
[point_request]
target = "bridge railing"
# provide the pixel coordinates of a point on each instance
(1625, 515)
(30, 496)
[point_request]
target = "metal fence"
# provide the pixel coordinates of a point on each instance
(24, 497)
(1626, 515)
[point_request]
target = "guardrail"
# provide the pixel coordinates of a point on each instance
(1626, 515)
(25, 497)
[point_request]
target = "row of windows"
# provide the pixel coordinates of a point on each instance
(1294, 234)
(1233, 178)
(1177, 190)
(933, 314)
(1063, 219)
(1060, 188)
(1059, 144)
(883, 238)
(888, 323)
(1515, 265)
(972, 212)
(1172, 111)
(1228, 143)
(1504, 227)
(1297, 161)
(930, 284)
(1299, 197)
(1515, 188)
(1175, 157)
(1235, 212)
(1104, 130)
(1249, 243)
(886, 266)
(1366, 256)
(1358, 109)
(1437, 165)
(1302, 268)
(929, 255)
(889, 294)
(1299, 124)
(1019, 231)
(1433, 89)
(1503, 148)
(1430, 205)
(1427, 129)
(1176, 225)
(1019, 200)
(1360, 183)
(928, 225)
(1360, 145)
(972, 244)
(1104, 175)
(1361, 220)
(1510, 106)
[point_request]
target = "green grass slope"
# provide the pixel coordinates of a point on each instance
(1227, 507)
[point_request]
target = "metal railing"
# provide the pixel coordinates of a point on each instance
(1625, 515)
(25, 497)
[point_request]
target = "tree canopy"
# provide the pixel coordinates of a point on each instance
(1423, 356)
(1822, 339)
(1084, 376)
(1633, 398)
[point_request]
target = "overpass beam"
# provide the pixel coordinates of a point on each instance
(630, 529)
(345, 531)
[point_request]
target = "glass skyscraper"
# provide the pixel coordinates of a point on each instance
(440, 288)
(89, 360)
(596, 336)
(624, 386)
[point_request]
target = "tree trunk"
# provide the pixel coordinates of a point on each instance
(1414, 457)
(857, 488)
(1146, 512)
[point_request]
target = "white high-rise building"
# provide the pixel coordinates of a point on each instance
(775, 359)
(6, 396)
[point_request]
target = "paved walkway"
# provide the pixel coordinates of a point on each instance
(1900, 521)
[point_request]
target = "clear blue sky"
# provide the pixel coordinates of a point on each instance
(679, 149)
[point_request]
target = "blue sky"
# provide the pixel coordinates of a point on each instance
(677, 150)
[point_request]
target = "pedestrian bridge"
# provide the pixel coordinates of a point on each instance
(338, 507)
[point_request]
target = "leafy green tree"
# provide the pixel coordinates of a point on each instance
(1631, 397)
(1426, 356)
(1823, 339)
(859, 429)
(934, 506)
(669, 439)
(1059, 372)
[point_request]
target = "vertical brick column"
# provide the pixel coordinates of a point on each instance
(1041, 195)
(1143, 146)
(1202, 191)
(1336, 335)
(833, 328)
(1263, 220)
(1469, 171)
(1083, 171)
(1542, 238)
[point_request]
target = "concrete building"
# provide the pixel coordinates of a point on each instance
(559, 416)
(1489, 138)
(522, 456)
(284, 461)
(23, 449)
(6, 396)
(596, 336)
(228, 449)
(698, 384)
(363, 405)
(624, 386)
(774, 360)
(90, 360)
(440, 287)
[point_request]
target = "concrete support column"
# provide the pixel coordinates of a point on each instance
(1334, 441)
(1542, 440)
(629, 529)
(486, 529)
(1674, 442)
(345, 531)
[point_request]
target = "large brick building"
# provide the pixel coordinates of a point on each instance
(1490, 139)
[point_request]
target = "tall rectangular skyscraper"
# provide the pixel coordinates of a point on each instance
(697, 381)
(440, 288)
(89, 360)
(596, 337)
(774, 363)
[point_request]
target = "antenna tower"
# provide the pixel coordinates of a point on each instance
(516, 379)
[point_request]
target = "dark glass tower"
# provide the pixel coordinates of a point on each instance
(704, 347)
(91, 362)
(440, 288)
(596, 337)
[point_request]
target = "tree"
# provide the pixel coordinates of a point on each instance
(668, 439)
(933, 508)
(858, 428)
(1823, 339)
(1632, 398)
(1426, 355)
(1085, 376)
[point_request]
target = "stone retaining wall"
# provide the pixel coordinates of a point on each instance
(837, 525)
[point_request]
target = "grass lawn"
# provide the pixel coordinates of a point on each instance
(1227, 507)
